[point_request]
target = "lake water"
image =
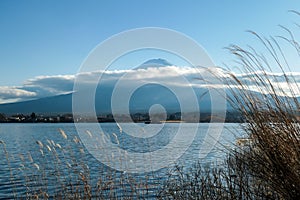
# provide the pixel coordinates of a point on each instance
(36, 158)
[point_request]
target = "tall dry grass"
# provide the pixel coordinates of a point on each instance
(271, 106)
(266, 163)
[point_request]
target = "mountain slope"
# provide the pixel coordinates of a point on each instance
(49, 105)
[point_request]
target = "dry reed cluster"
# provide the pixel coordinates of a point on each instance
(266, 166)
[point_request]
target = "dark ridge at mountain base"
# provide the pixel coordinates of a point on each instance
(49, 105)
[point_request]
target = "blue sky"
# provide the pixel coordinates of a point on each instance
(52, 37)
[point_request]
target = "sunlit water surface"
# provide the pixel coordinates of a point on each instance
(27, 167)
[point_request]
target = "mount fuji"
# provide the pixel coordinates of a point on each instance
(149, 75)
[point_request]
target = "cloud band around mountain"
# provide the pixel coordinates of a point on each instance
(45, 86)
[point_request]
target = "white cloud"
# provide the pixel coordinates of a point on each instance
(12, 94)
(283, 85)
(43, 86)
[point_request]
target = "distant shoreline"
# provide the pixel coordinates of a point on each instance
(168, 122)
(230, 117)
